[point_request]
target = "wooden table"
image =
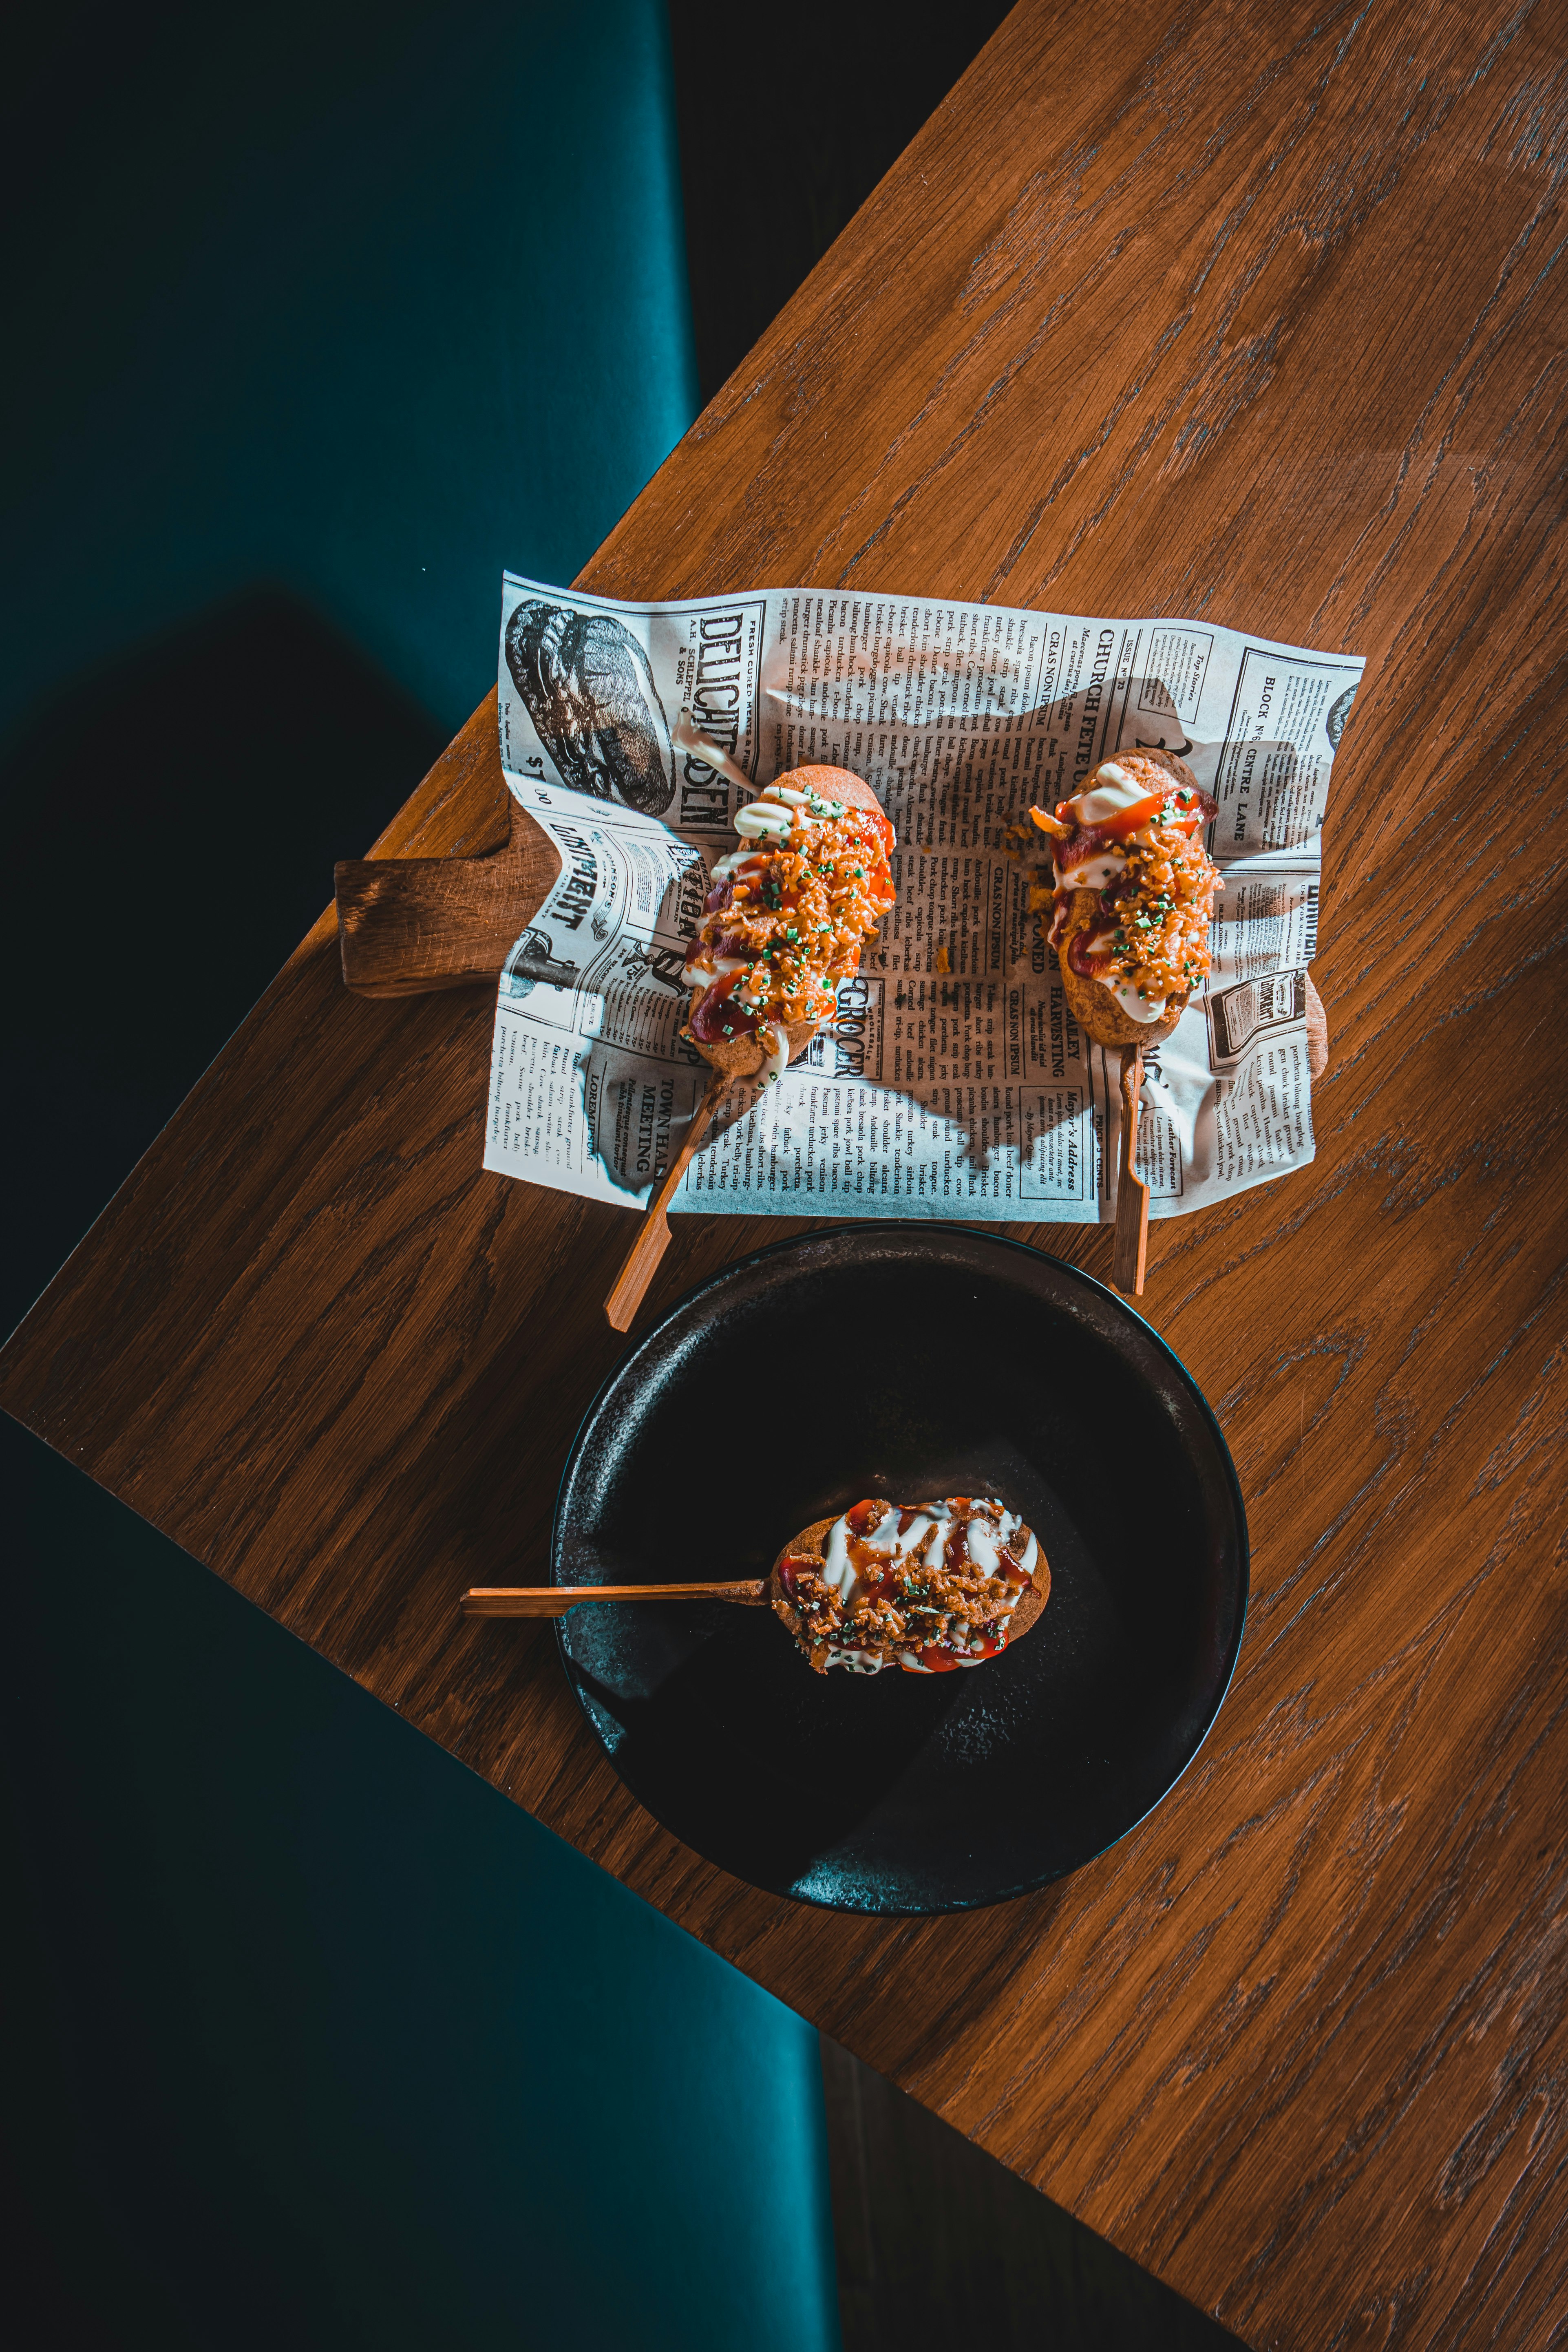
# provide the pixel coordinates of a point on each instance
(1250, 311)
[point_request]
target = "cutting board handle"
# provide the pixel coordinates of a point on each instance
(408, 925)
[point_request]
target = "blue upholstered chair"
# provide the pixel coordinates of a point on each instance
(329, 312)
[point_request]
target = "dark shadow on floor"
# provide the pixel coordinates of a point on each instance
(786, 126)
(172, 825)
(940, 2246)
(316, 2043)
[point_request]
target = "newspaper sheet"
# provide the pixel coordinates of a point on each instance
(953, 1082)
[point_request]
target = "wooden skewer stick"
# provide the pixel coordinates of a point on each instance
(1132, 1245)
(554, 1600)
(653, 1235)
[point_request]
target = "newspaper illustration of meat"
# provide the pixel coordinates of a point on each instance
(533, 960)
(588, 687)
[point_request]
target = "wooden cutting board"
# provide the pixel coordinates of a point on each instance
(408, 925)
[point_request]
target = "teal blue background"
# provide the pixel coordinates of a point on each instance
(326, 2042)
(326, 313)
(365, 302)
(320, 315)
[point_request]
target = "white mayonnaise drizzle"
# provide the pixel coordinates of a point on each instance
(835, 1567)
(769, 822)
(914, 1535)
(818, 804)
(770, 818)
(1091, 873)
(688, 737)
(755, 823)
(734, 862)
(696, 975)
(980, 1546)
(1109, 792)
(927, 1535)
(1136, 1007)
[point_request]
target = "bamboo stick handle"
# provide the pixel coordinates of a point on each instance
(1130, 1249)
(653, 1234)
(554, 1600)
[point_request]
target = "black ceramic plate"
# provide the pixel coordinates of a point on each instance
(881, 1360)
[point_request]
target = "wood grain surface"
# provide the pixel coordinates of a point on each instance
(1251, 311)
(408, 925)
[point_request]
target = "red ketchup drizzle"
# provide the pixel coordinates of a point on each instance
(1089, 949)
(715, 1015)
(882, 828)
(714, 1008)
(723, 890)
(875, 1572)
(1086, 841)
(1190, 809)
(870, 1567)
(1081, 955)
(790, 1571)
(944, 1662)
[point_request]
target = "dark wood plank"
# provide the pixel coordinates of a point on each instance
(408, 925)
(1250, 311)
